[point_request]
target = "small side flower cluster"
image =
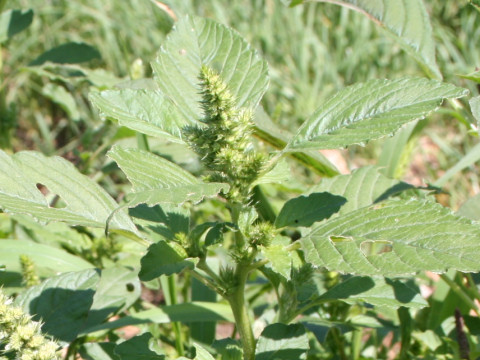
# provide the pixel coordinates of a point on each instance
(20, 336)
(224, 143)
(29, 274)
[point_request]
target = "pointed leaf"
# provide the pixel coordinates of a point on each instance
(407, 21)
(196, 42)
(87, 203)
(305, 210)
(164, 259)
(470, 158)
(376, 291)
(145, 111)
(395, 238)
(370, 110)
(156, 180)
(14, 21)
(282, 342)
(364, 187)
(69, 53)
(62, 303)
(475, 106)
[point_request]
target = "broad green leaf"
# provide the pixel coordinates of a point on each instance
(407, 21)
(156, 180)
(118, 289)
(282, 342)
(201, 353)
(280, 259)
(86, 203)
(164, 258)
(394, 238)
(186, 313)
(48, 260)
(196, 42)
(305, 210)
(145, 111)
(14, 21)
(141, 347)
(63, 98)
(376, 291)
(471, 208)
(69, 53)
(470, 158)
(62, 303)
(371, 110)
(363, 187)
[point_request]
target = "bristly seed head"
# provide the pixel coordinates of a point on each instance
(223, 143)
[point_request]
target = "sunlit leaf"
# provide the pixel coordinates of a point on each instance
(282, 342)
(394, 238)
(82, 201)
(371, 110)
(14, 21)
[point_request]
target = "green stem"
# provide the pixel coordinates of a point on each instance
(240, 313)
(356, 343)
(170, 290)
(461, 294)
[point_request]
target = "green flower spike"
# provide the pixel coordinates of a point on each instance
(20, 336)
(223, 144)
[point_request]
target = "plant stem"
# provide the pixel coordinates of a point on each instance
(142, 142)
(240, 312)
(170, 291)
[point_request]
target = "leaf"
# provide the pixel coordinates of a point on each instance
(139, 347)
(364, 187)
(69, 53)
(164, 259)
(370, 110)
(14, 21)
(145, 111)
(62, 302)
(394, 238)
(407, 21)
(186, 313)
(280, 173)
(87, 204)
(376, 291)
(471, 208)
(305, 210)
(48, 260)
(280, 259)
(201, 353)
(282, 342)
(196, 42)
(118, 289)
(156, 180)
